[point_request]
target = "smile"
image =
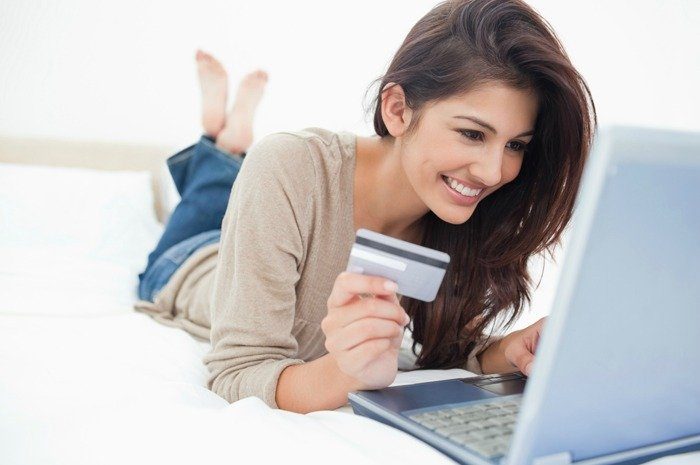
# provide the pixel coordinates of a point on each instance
(461, 189)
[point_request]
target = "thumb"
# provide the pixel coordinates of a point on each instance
(524, 363)
(521, 356)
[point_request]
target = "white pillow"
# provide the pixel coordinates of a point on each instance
(89, 228)
(105, 213)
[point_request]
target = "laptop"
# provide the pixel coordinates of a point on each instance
(616, 378)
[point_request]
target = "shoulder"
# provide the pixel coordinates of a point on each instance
(304, 153)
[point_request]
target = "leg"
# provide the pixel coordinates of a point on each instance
(237, 133)
(204, 173)
(159, 272)
(213, 83)
(204, 176)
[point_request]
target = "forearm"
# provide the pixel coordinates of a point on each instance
(493, 359)
(315, 385)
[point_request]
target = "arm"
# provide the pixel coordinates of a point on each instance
(254, 291)
(493, 359)
(316, 385)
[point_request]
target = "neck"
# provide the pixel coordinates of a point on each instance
(384, 199)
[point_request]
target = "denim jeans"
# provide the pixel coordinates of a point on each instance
(203, 175)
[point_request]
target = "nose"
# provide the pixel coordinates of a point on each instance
(487, 169)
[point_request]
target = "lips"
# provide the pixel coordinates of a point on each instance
(461, 199)
(472, 192)
(465, 183)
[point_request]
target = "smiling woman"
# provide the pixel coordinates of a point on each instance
(482, 130)
(482, 95)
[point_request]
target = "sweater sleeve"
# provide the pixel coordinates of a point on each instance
(472, 364)
(261, 250)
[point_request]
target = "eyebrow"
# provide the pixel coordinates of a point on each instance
(489, 127)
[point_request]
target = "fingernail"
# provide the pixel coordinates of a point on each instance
(391, 286)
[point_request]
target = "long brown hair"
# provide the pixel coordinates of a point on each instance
(458, 45)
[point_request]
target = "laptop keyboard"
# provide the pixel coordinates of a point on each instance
(486, 428)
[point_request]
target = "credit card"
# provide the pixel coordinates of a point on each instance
(416, 269)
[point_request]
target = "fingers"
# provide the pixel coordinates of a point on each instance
(535, 343)
(360, 331)
(524, 362)
(364, 321)
(365, 308)
(524, 353)
(348, 285)
(520, 353)
(365, 353)
(389, 298)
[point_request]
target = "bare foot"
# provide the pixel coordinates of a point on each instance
(214, 84)
(237, 134)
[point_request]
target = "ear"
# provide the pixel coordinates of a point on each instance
(395, 112)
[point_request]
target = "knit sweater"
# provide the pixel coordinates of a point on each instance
(259, 295)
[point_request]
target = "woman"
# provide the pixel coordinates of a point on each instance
(483, 127)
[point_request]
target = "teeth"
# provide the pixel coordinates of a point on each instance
(464, 190)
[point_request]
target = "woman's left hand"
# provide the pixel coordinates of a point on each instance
(519, 347)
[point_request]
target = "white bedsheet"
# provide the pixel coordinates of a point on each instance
(124, 389)
(86, 380)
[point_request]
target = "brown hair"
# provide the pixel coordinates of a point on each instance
(457, 46)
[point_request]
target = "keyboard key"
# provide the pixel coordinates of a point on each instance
(505, 419)
(491, 422)
(432, 424)
(421, 417)
(489, 450)
(480, 415)
(465, 409)
(466, 439)
(448, 430)
(482, 434)
(499, 431)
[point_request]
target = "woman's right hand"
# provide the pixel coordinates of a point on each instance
(363, 334)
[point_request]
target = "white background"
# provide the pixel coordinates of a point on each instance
(124, 70)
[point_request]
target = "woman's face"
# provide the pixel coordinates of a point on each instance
(449, 142)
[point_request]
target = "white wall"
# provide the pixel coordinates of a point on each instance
(124, 70)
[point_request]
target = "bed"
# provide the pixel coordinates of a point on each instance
(85, 379)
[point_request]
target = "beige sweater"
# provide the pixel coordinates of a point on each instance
(260, 294)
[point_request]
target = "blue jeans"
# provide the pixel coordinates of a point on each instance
(203, 175)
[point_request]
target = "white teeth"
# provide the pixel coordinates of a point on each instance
(464, 190)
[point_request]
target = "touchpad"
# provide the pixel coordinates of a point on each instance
(506, 388)
(500, 384)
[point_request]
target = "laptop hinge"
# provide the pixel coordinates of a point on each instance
(562, 458)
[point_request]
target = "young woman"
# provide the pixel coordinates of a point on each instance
(483, 127)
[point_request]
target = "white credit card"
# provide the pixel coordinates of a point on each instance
(416, 269)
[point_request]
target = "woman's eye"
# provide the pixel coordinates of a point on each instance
(474, 135)
(519, 146)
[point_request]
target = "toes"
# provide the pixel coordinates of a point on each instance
(202, 56)
(205, 58)
(256, 76)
